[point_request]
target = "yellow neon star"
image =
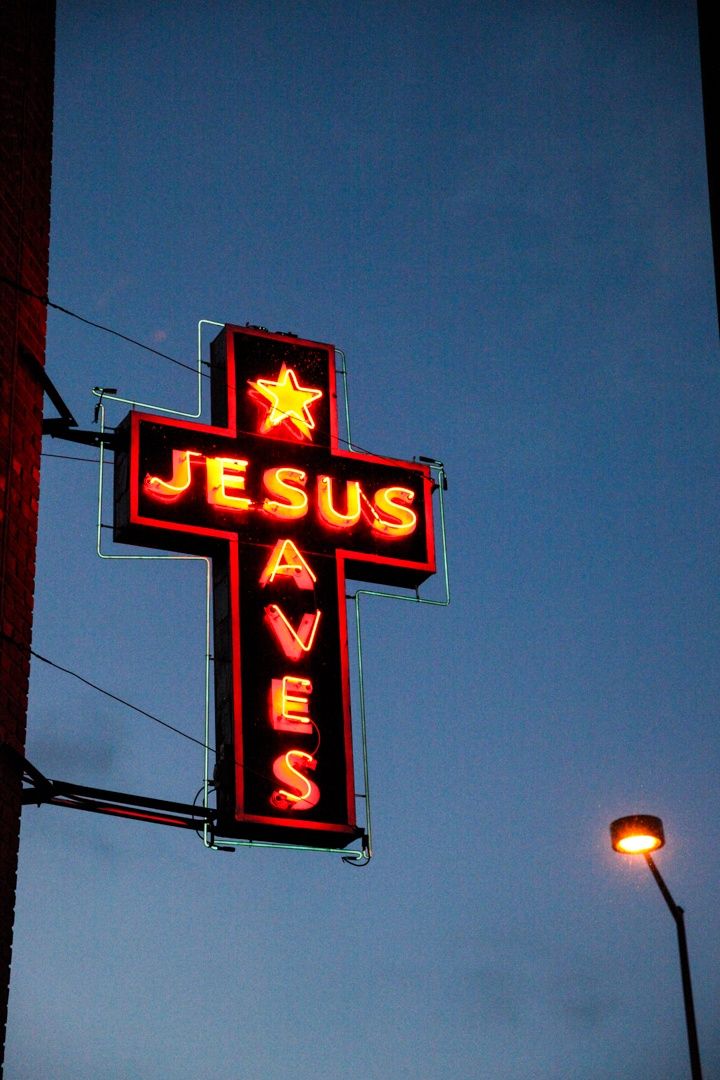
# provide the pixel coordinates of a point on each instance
(286, 402)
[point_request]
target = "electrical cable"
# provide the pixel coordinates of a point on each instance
(128, 704)
(69, 457)
(115, 697)
(89, 322)
(133, 341)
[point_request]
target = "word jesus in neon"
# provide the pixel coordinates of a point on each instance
(284, 494)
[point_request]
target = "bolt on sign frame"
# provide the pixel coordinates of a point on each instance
(266, 492)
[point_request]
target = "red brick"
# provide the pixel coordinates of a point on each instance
(26, 89)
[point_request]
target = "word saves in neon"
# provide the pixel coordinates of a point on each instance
(289, 699)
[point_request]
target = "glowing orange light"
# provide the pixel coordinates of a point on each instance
(327, 510)
(290, 704)
(225, 477)
(294, 500)
(178, 482)
(286, 402)
(637, 845)
(394, 503)
(286, 561)
(304, 794)
(637, 834)
(294, 643)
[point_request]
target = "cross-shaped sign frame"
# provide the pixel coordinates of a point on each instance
(267, 492)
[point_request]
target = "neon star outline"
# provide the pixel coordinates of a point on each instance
(286, 402)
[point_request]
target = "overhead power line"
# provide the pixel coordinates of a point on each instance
(44, 299)
(106, 693)
(122, 701)
(98, 326)
(69, 457)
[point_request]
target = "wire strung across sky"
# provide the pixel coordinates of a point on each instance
(129, 704)
(106, 693)
(98, 326)
(132, 341)
(69, 457)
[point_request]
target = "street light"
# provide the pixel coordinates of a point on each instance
(641, 834)
(637, 835)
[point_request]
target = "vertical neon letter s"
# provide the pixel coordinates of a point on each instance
(304, 794)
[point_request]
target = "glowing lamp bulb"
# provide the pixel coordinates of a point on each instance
(637, 835)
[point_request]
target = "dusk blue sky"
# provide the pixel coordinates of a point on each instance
(499, 212)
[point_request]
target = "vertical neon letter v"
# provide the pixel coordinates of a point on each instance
(293, 642)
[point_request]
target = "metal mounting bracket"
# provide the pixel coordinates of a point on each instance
(41, 789)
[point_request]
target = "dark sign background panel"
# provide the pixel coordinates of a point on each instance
(239, 354)
(247, 654)
(245, 766)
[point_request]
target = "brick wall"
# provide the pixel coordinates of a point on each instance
(27, 29)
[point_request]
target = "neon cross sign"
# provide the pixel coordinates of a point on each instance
(285, 515)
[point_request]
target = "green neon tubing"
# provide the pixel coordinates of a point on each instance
(439, 468)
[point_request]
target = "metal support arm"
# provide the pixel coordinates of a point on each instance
(117, 803)
(40, 789)
(679, 916)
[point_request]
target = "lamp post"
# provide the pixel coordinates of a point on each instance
(640, 834)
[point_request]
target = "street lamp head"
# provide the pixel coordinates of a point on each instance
(638, 834)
